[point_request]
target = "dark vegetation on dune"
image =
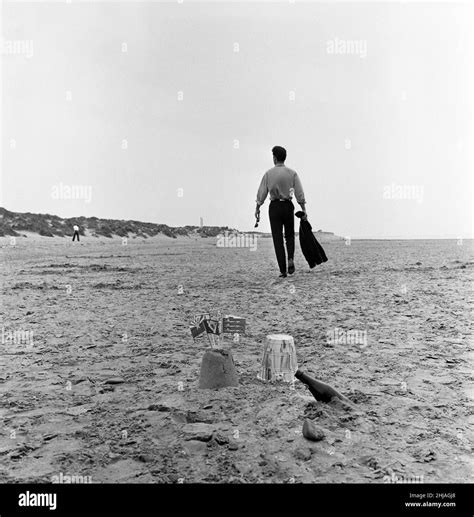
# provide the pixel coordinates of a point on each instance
(13, 223)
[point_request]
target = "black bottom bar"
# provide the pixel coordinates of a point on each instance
(194, 499)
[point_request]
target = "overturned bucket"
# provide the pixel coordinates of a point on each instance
(279, 361)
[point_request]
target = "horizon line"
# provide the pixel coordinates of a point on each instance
(379, 238)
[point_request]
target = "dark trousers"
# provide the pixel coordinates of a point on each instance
(76, 234)
(282, 215)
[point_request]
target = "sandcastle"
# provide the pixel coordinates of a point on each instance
(217, 370)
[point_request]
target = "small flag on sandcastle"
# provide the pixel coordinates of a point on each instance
(217, 366)
(234, 325)
(208, 323)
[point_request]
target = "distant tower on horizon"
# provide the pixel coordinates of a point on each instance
(201, 222)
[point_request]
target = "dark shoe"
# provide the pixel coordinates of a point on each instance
(291, 267)
(283, 275)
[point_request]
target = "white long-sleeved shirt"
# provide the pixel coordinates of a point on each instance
(278, 181)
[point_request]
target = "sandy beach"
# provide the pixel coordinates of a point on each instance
(104, 388)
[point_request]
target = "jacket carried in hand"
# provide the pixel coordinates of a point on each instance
(313, 251)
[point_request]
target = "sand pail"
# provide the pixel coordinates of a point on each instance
(279, 361)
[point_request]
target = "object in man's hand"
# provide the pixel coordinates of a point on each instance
(313, 251)
(257, 220)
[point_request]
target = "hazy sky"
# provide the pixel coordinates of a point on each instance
(372, 101)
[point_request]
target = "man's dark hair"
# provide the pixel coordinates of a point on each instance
(279, 153)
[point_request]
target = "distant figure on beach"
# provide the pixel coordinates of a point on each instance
(279, 181)
(76, 233)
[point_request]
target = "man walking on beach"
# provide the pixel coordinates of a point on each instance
(280, 181)
(76, 233)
